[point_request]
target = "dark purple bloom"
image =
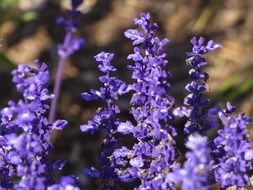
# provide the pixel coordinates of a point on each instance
(196, 105)
(76, 3)
(72, 22)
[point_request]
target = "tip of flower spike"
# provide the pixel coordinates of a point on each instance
(105, 58)
(134, 35)
(199, 47)
(76, 3)
(145, 16)
(211, 45)
(142, 21)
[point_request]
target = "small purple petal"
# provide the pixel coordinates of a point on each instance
(59, 124)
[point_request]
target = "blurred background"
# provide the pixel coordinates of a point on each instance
(28, 31)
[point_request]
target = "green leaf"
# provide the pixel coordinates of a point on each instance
(6, 4)
(229, 83)
(28, 16)
(242, 89)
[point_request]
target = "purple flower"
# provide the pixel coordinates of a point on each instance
(65, 183)
(76, 3)
(233, 150)
(71, 24)
(196, 171)
(105, 58)
(25, 132)
(136, 36)
(196, 106)
(70, 45)
(109, 93)
(125, 127)
(105, 119)
(154, 154)
(59, 124)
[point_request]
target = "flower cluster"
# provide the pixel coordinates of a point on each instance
(25, 132)
(105, 118)
(196, 171)
(153, 161)
(70, 44)
(233, 150)
(196, 105)
(153, 155)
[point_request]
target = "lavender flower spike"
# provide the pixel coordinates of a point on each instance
(153, 155)
(233, 150)
(196, 171)
(105, 119)
(25, 132)
(196, 105)
(67, 48)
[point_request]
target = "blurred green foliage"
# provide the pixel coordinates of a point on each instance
(5, 4)
(237, 87)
